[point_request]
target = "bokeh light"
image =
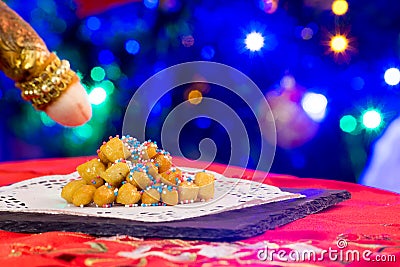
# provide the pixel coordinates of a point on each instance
(108, 86)
(288, 82)
(392, 76)
(151, 4)
(97, 74)
(294, 126)
(195, 97)
(348, 123)
(113, 72)
(314, 105)
(306, 33)
(93, 23)
(83, 132)
(339, 7)
(46, 120)
(339, 43)
(269, 6)
(187, 40)
(97, 96)
(106, 57)
(357, 83)
(254, 41)
(132, 47)
(207, 52)
(372, 119)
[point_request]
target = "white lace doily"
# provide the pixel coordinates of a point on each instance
(43, 195)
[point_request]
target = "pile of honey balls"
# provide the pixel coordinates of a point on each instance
(130, 173)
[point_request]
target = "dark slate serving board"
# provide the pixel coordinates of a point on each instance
(226, 226)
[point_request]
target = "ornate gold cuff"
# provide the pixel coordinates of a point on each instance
(43, 89)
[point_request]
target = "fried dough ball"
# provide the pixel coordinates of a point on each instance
(170, 196)
(149, 150)
(163, 162)
(150, 196)
(104, 195)
(152, 169)
(128, 194)
(188, 192)
(115, 149)
(83, 195)
(90, 172)
(170, 176)
(115, 174)
(101, 155)
(139, 178)
(205, 181)
(130, 180)
(69, 189)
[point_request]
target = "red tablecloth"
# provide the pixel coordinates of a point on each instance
(367, 226)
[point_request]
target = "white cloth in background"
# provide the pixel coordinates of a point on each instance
(383, 171)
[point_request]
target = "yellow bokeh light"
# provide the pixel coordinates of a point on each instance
(339, 43)
(340, 7)
(195, 97)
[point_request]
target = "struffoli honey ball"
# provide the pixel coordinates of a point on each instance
(130, 180)
(90, 172)
(114, 150)
(150, 196)
(101, 155)
(163, 162)
(205, 182)
(128, 194)
(104, 195)
(69, 189)
(152, 169)
(139, 178)
(170, 196)
(83, 195)
(116, 173)
(151, 150)
(188, 192)
(172, 176)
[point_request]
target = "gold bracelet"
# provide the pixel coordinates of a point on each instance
(48, 85)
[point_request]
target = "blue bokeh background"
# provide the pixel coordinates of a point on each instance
(119, 48)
